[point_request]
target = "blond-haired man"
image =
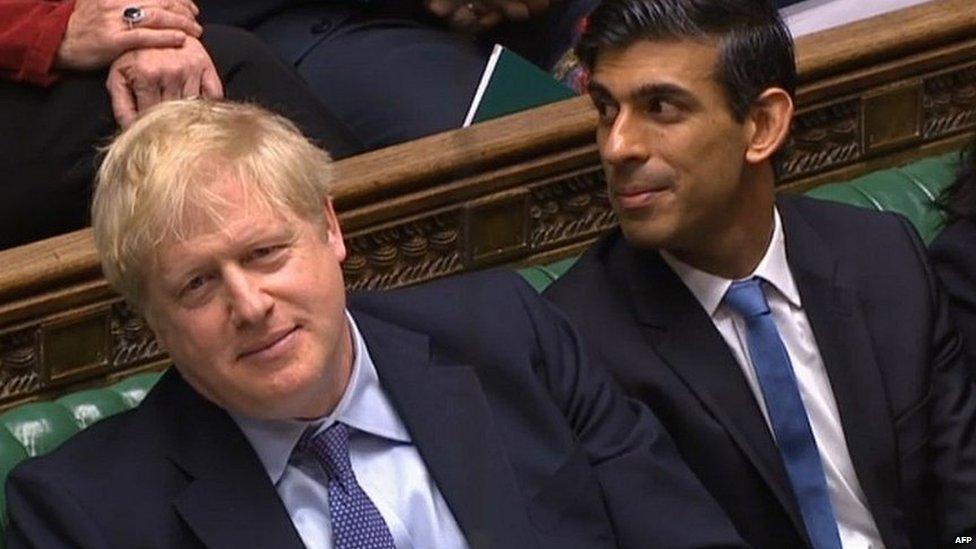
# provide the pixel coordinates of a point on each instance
(453, 415)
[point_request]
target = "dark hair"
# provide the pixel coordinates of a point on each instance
(958, 200)
(755, 47)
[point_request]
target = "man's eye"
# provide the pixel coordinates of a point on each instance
(265, 252)
(261, 252)
(606, 111)
(194, 284)
(663, 109)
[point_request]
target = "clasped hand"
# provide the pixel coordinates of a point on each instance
(144, 77)
(96, 34)
(480, 15)
(157, 59)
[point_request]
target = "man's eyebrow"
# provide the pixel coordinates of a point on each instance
(593, 87)
(663, 90)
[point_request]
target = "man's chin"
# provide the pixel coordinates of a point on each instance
(290, 398)
(277, 408)
(640, 235)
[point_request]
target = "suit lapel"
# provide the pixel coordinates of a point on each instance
(229, 500)
(684, 337)
(830, 302)
(446, 412)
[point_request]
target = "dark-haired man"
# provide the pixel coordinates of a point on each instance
(798, 351)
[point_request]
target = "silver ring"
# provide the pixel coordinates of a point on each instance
(132, 15)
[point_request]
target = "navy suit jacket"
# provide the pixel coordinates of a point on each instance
(528, 445)
(906, 400)
(953, 255)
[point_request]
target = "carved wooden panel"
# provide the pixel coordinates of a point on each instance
(823, 137)
(19, 363)
(496, 228)
(949, 102)
(569, 208)
(67, 348)
(404, 253)
(132, 341)
(75, 344)
(892, 116)
(896, 115)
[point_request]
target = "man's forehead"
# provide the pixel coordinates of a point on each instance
(225, 215)
(654, 61)
(220, 195)
(214, 240)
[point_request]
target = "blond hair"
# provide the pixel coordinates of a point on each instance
(164, 163)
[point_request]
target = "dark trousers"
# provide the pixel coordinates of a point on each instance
(392, 71)
(48, 136)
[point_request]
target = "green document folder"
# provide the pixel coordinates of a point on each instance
(512, 84)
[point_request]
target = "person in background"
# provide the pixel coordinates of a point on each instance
(72, 71)
(800, 352)
(460, 413)
(953, 252)
(395, 71)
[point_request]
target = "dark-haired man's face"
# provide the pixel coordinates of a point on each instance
(672, 152)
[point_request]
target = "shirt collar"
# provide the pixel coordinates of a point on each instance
(364, 407)
(710, 289)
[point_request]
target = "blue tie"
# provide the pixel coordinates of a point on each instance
(786, 412)
(356, 522)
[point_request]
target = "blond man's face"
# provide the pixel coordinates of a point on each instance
(252, 309)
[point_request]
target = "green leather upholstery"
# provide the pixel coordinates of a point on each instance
(38, 427)
(87, 407)
(910, 190)
(11, 453)
(541, 276)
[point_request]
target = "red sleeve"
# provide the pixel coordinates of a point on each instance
(31, 32)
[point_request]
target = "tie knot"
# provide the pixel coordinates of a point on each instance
(746, 298)
(331, 448)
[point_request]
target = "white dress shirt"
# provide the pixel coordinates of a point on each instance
(385, 462)
(854, 521)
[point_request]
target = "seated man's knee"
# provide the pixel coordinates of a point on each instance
(230, 47)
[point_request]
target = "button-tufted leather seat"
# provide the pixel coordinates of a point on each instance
(38, 427)
(910, 190)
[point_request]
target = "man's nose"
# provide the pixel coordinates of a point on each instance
(247, 299)
(624, 140)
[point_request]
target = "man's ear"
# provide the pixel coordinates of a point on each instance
(332, 230)
(769, 120)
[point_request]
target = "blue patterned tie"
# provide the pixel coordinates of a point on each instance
(356, 522)
(786, 412)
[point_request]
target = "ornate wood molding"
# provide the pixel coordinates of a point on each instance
(522, 188)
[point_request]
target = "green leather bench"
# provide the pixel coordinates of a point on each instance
(36, 428)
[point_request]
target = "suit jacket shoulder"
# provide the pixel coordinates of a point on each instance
(166, 474)
(953, 255)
